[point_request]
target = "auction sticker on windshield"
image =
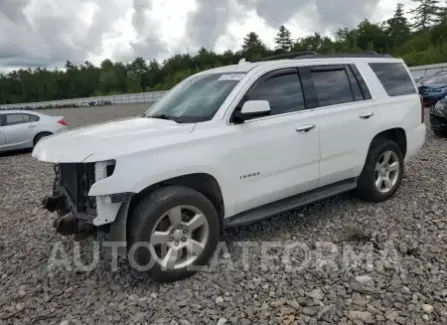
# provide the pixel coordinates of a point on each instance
(233, 76)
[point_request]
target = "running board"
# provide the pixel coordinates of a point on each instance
(290, 203)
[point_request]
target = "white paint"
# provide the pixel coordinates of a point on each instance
(279, 161)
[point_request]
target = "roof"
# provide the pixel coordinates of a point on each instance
(247, 66)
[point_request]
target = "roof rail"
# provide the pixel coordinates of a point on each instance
(291, 55)
(313, 55)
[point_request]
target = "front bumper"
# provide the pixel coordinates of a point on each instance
(70, 197)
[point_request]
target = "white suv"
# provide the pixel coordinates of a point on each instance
(235, 145)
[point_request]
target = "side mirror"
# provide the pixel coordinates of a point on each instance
(251, 109)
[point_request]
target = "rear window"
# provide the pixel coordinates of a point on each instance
(394, 78)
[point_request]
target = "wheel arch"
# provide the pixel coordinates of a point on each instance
(40, 133)
(201, 182)
(397, 135)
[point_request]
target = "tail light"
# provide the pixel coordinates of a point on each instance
(62, 122)
(422, 109)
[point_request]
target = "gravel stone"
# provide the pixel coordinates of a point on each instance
(427, 308)
(381, 263)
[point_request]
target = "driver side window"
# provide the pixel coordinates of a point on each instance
(283, 91)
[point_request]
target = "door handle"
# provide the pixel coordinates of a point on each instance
(31, 126)
(366, 115)
(305, 128)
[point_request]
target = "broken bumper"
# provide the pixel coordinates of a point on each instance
(77, 211)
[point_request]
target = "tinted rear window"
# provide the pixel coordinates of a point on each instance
(394, 78)
(332, 87)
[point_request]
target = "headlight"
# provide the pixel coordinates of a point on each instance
(438, 109)
(104, 169)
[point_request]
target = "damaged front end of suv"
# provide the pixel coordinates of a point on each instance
(79, 213)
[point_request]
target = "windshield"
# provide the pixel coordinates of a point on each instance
(196, 99)
(437, 79)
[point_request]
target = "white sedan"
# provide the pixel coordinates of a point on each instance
(21, 129)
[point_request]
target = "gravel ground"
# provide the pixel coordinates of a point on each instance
(360, 263)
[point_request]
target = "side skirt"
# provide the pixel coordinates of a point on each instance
(269, 210)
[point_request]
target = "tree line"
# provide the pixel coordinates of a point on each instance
(418, 36)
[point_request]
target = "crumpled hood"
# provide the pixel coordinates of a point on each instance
(75, 145)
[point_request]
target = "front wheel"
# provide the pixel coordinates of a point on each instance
(172, 232)
(383, 171)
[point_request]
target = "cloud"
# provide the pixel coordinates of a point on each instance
(347, 13)
(211, 20)
(150, 41)
(49, 32)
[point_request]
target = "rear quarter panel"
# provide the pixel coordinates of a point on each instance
(398, 111)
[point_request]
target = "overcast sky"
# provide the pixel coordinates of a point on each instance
(49, 32)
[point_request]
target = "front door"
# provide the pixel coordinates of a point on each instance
(276, 156)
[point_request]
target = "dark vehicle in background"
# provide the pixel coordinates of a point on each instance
(438, 117)
(433, 88)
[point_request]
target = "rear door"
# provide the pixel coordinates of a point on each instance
(347, 120)
(19, 130)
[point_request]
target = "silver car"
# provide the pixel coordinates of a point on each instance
(21, 129)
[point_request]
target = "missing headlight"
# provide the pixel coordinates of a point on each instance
(110, 168)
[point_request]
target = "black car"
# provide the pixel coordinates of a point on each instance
(438, 117)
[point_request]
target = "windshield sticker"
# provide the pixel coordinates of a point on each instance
(233, 76)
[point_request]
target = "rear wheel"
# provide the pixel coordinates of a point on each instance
(40, 136)
(171, 232)
(383, 171)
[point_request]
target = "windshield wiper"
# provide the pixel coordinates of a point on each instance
(167, 117)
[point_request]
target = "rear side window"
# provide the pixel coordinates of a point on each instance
(332, 87)
(394, 78)
(283, 92)
(12, 119)
(33, 118)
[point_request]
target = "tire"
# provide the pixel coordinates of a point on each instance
(40, 136)
(367, 189)
(154, 213)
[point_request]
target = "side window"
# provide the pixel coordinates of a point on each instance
(332, 86)
(394, 78)
(12, 119)
(282, 91)
(33, 118)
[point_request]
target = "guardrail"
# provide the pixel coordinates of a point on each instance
(151, 97)
(427, 70)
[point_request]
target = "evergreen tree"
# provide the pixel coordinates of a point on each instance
(253, 48)
(426, 13)
(283, 41)
(398, 27)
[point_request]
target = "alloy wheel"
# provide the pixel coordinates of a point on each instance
(179, 237)
(387, 171)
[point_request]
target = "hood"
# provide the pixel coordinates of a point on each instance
(75, 145)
